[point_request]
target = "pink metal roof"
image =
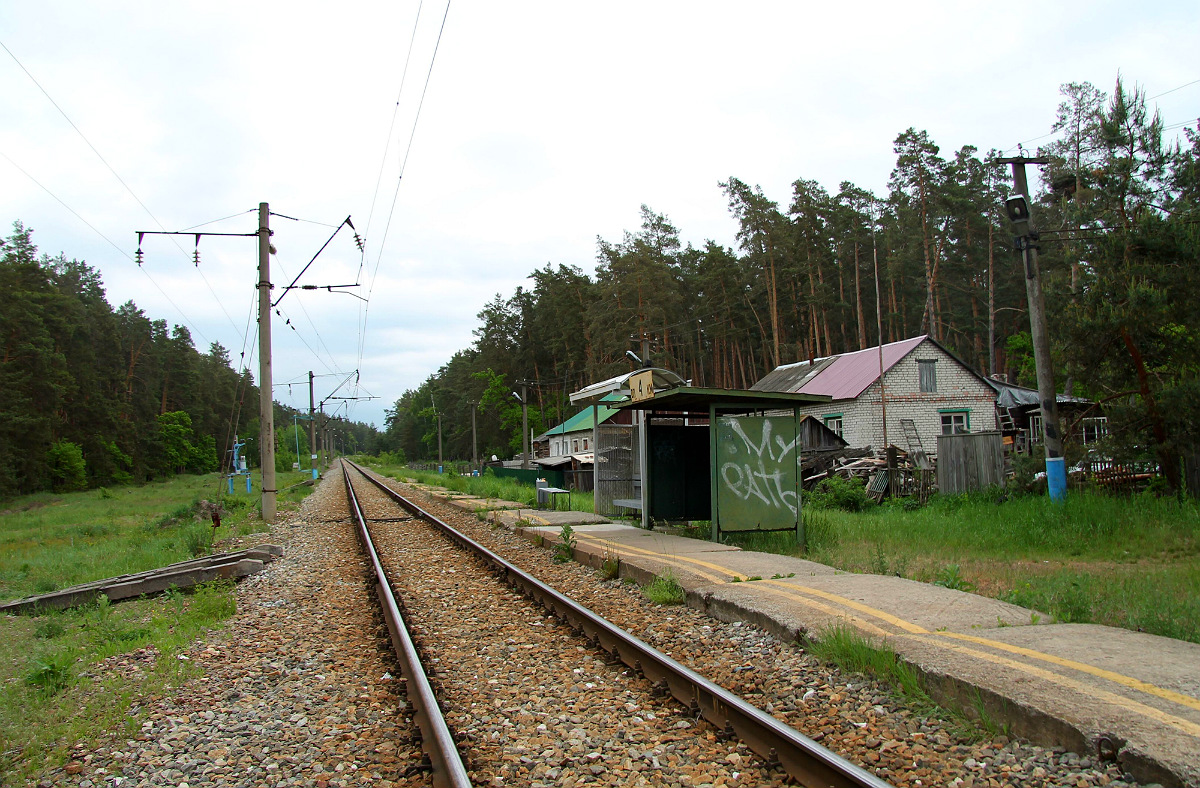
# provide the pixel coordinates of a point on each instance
(848, 375)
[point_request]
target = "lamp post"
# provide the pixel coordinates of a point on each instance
(523, 398)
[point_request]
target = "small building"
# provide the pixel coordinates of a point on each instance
(1019, 410)
(921, 381)
(575, 435)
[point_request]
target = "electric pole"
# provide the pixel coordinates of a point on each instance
(1026, 239)
(312, 426)
(266, 405)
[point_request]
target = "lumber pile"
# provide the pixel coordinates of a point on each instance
(185, 574)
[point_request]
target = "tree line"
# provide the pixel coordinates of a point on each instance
(99, 396)
(827, 272)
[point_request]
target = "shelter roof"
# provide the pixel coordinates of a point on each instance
(692, 399)
(838, 377)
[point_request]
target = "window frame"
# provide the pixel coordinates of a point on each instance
(835, 417)
(943, 413)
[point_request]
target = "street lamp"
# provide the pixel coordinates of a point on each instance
(521, 398)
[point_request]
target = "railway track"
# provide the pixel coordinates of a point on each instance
(540, 689)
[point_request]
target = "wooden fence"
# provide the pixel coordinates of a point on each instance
(969, 461)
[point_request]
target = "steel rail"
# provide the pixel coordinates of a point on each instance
(802, 758)
(446, 764)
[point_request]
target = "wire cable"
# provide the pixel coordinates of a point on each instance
(111, 243)
(115, 174)
(399, 178)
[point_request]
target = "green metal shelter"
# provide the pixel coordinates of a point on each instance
(724, 455)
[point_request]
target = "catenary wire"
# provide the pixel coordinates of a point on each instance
(115, 174)
(111, 243)
(399, 179)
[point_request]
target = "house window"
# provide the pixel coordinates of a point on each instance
(834, 422)
(955, 421)
(575, 445)
(585, 444)
(928, 375)
(1094, 429)
(1035, 428)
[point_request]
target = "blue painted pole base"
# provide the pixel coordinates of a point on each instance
(1056, 478)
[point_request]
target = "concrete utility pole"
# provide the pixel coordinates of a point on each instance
(312, 426)
(1026, 239)
(266, 406)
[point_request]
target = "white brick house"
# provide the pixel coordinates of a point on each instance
(922, 381)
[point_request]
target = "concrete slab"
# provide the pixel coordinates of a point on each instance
(1079, 686)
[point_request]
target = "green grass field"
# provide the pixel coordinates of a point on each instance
(69, 677)
(1124, 562)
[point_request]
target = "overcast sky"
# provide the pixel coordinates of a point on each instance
(544, 126)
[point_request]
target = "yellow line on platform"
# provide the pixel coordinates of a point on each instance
(918, 632)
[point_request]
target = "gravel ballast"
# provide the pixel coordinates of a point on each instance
(301, 689)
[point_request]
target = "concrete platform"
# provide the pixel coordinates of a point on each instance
(1085, 687)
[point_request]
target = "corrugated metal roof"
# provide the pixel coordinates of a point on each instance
(580, 421)
(837, 377)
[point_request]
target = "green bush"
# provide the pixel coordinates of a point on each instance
(67, 468)
(849, 495)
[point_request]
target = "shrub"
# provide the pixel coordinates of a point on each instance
(849, 495)
(67, 468)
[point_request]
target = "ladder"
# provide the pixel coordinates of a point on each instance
(915, 450)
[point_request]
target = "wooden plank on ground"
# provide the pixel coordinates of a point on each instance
(184, 574)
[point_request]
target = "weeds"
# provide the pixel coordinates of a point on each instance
(51, 673)
(610, 568)
(564, 550)
(664, 589)
(951, 577)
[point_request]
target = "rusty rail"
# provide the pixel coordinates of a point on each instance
(446, 764)
(806, 761)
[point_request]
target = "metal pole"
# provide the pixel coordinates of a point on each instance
(524, 427)
(266, 406)
(312, 426)
(474, 439)
(1055, 470)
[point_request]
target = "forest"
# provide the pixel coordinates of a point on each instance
(828, 272)
(97, 396)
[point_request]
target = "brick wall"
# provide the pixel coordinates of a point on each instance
(957, 388)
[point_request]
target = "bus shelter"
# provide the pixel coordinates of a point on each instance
(731, 457)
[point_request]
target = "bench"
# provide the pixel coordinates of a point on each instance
(628, 503)
(549, 496)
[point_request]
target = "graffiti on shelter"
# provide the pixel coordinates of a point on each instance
(765, 468)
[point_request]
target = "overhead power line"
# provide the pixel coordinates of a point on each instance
(399, 178)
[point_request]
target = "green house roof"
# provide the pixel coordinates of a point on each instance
(581, 421)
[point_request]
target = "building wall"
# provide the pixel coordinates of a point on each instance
(957, 389)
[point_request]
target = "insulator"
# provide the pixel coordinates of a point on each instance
(139, 257)
(196, 258)
(360, 242)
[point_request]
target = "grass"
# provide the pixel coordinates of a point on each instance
(843, 646)
(1130, 563)
(486, 486)
(62, 680)
(664, 589)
